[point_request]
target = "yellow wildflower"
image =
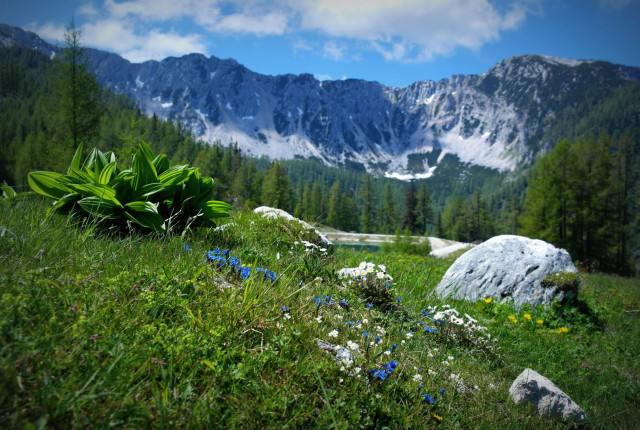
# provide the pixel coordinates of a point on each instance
(513, 318)
(437, 417)
(527, 317)
(488, 300)
(563, 330)
(539, 322)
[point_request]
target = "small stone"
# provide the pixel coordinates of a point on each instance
(549, 400)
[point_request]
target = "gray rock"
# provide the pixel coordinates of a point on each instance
(550, 400)
(507, 266)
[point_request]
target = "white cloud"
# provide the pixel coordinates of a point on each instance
(88, 9)
(48, 31)
(334, 50)
(411, 30)
(119, 36)
(321, 77)
(260, 25)
(399, 30)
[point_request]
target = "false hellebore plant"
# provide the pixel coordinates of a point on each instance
(151, 194)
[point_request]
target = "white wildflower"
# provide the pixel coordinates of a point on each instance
(333, 333)
(353, 346)
(417, 377)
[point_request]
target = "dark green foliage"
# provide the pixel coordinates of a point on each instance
(276, 188)
(582, 196)
(151, 193)
(77, 99)
(410, 221)
(368, 204)
(467, 220)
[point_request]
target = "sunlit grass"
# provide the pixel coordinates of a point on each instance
(137, 332)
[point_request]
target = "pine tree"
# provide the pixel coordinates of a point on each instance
(367, 197)
(317, 208)
(333, 215)
(410, 221)
(388, 211)
(276, 189)
(78, 93)
(423, 209)
(348, 213)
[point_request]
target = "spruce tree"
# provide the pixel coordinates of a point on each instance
(78, 94)
(423, 209)
(276, 190)
(410, 221)
(367, 197)
(333, 215)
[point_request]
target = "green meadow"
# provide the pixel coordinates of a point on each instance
(250, 326)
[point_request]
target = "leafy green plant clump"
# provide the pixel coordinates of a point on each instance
(151, 194)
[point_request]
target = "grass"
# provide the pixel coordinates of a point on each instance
(138, 332)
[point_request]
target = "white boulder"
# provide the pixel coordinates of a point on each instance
(549, 400)
(507, 266)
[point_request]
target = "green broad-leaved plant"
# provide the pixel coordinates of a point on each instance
(151, 194)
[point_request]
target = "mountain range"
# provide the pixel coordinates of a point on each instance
(500, 119)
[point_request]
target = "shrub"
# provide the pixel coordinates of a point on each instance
(407, 244)
(151, 194)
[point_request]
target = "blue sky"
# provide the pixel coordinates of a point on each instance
(395, 42)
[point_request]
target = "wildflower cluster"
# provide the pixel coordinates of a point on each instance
(381, 374)
(372, 281)
(451, 326)
(223, 258)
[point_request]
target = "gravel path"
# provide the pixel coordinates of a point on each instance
(439, 247)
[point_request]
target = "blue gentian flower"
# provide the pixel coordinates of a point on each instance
(426, 314)
(366, 335)
(399, 299)
(284, 309)
(430, 330)
(394, 347)
(378, 339)
(391, 366)
(369, 305)
(187, 248)
(378, 374)
(429, 399)
(441, 392)
(343, 304)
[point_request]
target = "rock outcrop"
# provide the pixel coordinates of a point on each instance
(509, 266)
(269, 212)
(549, 400)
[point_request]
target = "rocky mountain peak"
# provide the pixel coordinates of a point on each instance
(495, 119)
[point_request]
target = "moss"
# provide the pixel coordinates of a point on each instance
(566, 281)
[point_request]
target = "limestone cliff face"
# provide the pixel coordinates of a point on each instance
(496, 119)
